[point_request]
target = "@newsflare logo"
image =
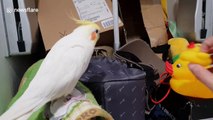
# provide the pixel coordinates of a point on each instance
(13, 10)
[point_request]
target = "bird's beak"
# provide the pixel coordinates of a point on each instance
(169, 68)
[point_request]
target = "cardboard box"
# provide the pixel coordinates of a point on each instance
(153, 17)
(55, 19)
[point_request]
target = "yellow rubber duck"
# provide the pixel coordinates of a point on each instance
(182, 80)
(177, 46)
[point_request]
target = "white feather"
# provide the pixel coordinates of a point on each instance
(58, 74)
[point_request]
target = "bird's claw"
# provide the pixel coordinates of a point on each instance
(68, 97)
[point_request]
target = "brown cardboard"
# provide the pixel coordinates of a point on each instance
(154, 23)
(55, 21)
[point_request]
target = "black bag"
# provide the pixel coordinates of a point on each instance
(141, 55)
(119, 88)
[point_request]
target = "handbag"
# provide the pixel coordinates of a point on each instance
(117, 87)
(140, 55)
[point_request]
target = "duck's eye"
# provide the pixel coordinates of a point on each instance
(97, 31)
(178, 65)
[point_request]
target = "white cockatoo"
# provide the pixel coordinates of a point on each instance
(59, 72)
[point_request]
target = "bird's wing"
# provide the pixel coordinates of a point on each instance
(57, 72)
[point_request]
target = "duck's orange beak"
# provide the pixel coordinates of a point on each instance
(169, 68)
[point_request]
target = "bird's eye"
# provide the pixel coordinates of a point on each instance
(178, 65)
(97, 31)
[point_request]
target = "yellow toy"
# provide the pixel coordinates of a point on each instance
(182, 80)
(164, 6)
(177, 46)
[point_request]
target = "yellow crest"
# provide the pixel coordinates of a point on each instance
(86, 22)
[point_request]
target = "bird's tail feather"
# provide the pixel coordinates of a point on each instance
(25, 116)
(19, 109)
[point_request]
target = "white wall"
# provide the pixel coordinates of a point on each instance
(6, 77)
(11, 72)
(7, 74)
(11, 69)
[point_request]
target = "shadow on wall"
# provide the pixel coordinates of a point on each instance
(11, 71)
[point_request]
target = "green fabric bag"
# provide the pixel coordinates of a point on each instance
(76, 112)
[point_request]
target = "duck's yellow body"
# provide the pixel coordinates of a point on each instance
(183, 81)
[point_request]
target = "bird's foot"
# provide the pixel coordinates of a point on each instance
(67, 98)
